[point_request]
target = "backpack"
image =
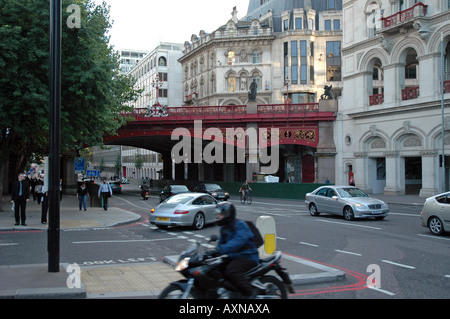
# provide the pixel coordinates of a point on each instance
(257, 239)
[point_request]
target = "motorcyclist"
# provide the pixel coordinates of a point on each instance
(144, 188)
(236, 242)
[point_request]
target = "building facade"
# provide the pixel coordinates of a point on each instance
(290, 49)
(158, 74)
(390, 121)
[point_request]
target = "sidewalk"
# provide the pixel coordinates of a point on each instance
(118, 280)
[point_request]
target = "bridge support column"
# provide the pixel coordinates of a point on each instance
(70, 181)
(179, 171)
(326, 150)
(167, 166)
(252, 163)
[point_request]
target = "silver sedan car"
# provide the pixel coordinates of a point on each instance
(187, 209)
(436, 214)
(348, 201)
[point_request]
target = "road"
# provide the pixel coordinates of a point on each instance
(406, 261)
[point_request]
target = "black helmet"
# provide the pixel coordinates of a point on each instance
(228, 211)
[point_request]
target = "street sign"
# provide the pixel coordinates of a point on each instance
(79, 165)
(93, 173)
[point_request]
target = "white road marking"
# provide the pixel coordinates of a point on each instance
(397, 264)
(121, 241)
(434, 237)
(348, 224)
(347, 252)
(308, 244)
(382, 290)
(12, 244)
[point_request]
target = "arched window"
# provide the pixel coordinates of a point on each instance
(231, 83)
(162, 61)
(256, 57)
(231, 57)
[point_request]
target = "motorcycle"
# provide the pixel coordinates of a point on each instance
(144, 193)
(204, 278)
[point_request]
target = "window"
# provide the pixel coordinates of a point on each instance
(337, 24)
(334, 61)
(162, 92)
(331, 4)
(285, 25)
(311, 24)
(303, 63)
(231, 57)
(411, 71)
(311, 63)
(255, 30)
(256, 57)
(294, 62)
(299, 23)
(163, 77)
(327, 24)
(231, 83)
(286, 61)
(162, 61)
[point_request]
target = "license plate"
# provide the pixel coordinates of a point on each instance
(376, 212)
(163, 219)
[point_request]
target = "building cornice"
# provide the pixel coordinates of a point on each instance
(400, 110)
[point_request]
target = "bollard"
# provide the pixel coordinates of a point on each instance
(266, 226)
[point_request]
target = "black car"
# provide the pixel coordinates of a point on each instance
(214, 190)
(171, 190)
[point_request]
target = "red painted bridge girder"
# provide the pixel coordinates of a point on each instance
(297, 124)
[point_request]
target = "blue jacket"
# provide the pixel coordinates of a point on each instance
(236, 241)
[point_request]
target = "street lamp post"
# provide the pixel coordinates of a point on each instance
(287, 82)
(156, 84)
(55, 131)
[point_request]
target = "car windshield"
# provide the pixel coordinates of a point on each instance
(212, 187)
(180, 188)
(179, 199)
(351, 192)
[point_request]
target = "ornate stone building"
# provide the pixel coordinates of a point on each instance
(291, 49)
(389, 126)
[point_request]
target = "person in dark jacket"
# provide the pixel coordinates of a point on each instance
(19, 197)
(236, 242)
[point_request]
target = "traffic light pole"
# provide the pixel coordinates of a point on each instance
(55, 131)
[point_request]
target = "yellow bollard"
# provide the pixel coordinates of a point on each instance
(266, 226)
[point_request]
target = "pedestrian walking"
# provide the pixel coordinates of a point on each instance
(38, 191)
(19, 197)
(44, 200)
(104, 192)
(82, 194)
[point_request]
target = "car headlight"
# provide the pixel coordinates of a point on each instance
(384, 206)
(361, 206)
(226, 194)
(213, 194)
(182, 264)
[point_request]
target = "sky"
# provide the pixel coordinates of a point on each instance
(142, 24)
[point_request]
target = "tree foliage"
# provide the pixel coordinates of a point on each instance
(93, 91)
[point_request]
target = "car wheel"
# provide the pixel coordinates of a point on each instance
(348, 213)
(435, 226)
(199, 221)
(313, 210)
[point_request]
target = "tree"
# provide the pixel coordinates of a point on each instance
(93, 91)
(139, 162)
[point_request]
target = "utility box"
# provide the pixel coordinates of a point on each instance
(267, 228)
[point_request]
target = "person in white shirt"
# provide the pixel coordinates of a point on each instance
(104, 192)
